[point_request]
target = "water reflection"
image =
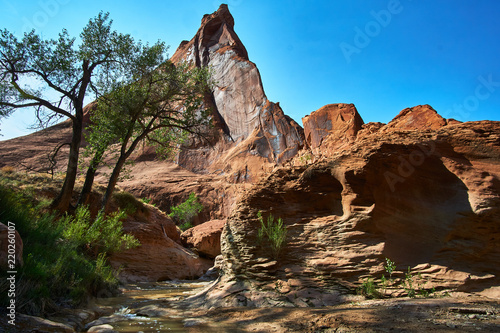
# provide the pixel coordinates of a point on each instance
(142, 307)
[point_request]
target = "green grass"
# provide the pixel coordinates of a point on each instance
(65, 259)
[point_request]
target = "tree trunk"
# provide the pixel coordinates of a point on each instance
(113, 180)
(89, 178)
(63, 201)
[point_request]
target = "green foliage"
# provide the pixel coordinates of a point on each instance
(184, 212)
(148, 201)
(408, 283)
(369, 289)
(59, 269)
(128, 202)
(305, 158)
(274, 232)
(54, 76)
(384, 282)
(389, 266)
(100, 236)
(162, 107)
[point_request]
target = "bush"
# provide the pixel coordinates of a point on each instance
(7, 169)
(104, 235)
(369, 289)
(275, 233)
(184, 213)
(129, 203)
(60, 269)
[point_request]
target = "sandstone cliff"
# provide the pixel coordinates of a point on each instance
(421, 190)
(427, 199)
(332, 127)
(253, 134)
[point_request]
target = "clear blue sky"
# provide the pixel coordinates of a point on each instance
(381, 55)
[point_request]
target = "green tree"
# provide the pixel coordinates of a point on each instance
(32, 69)
(184, 212)
(158, 105)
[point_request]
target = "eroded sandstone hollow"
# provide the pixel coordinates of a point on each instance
(427, 199)
(421, 190)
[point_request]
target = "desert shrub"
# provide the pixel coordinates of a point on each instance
(128, 202)
(389, 267)
(58, 270)
(102, 235)
(7, 169)
(369, 289)
(274, 232)
(184, 213)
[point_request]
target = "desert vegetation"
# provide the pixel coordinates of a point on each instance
(140, 97)
(184, 212)
(75, 268)
(272, 233)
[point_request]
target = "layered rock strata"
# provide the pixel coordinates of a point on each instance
(427, 199)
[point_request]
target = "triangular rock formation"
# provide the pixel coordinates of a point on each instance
(422, 117)
(253, 133)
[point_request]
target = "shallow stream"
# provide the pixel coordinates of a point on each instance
(146, 307)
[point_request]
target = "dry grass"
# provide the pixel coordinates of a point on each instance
(7, 169)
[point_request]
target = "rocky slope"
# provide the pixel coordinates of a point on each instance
(427, 199)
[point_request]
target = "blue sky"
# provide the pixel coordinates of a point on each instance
(381, 55)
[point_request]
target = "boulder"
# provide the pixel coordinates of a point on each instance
(158, 257)
(204, 238)
(332, 127)
(25, 323)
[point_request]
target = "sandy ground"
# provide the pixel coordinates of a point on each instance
(450, 314)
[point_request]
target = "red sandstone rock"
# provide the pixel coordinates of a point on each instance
(332, 127)
(428, 200)
(420, 117)
(204, 238)
(158, 257)
(254, 134)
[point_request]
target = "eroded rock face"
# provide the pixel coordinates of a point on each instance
(332, 127)
(253, 132)
(429, 200)
(204, 238)
(420, 117)
(160, 256)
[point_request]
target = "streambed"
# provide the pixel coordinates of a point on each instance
(151, 307)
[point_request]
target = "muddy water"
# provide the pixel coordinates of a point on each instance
(147, 307)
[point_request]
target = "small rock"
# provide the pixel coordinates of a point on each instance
(27, 323)
(102, 329)
(190, 322)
